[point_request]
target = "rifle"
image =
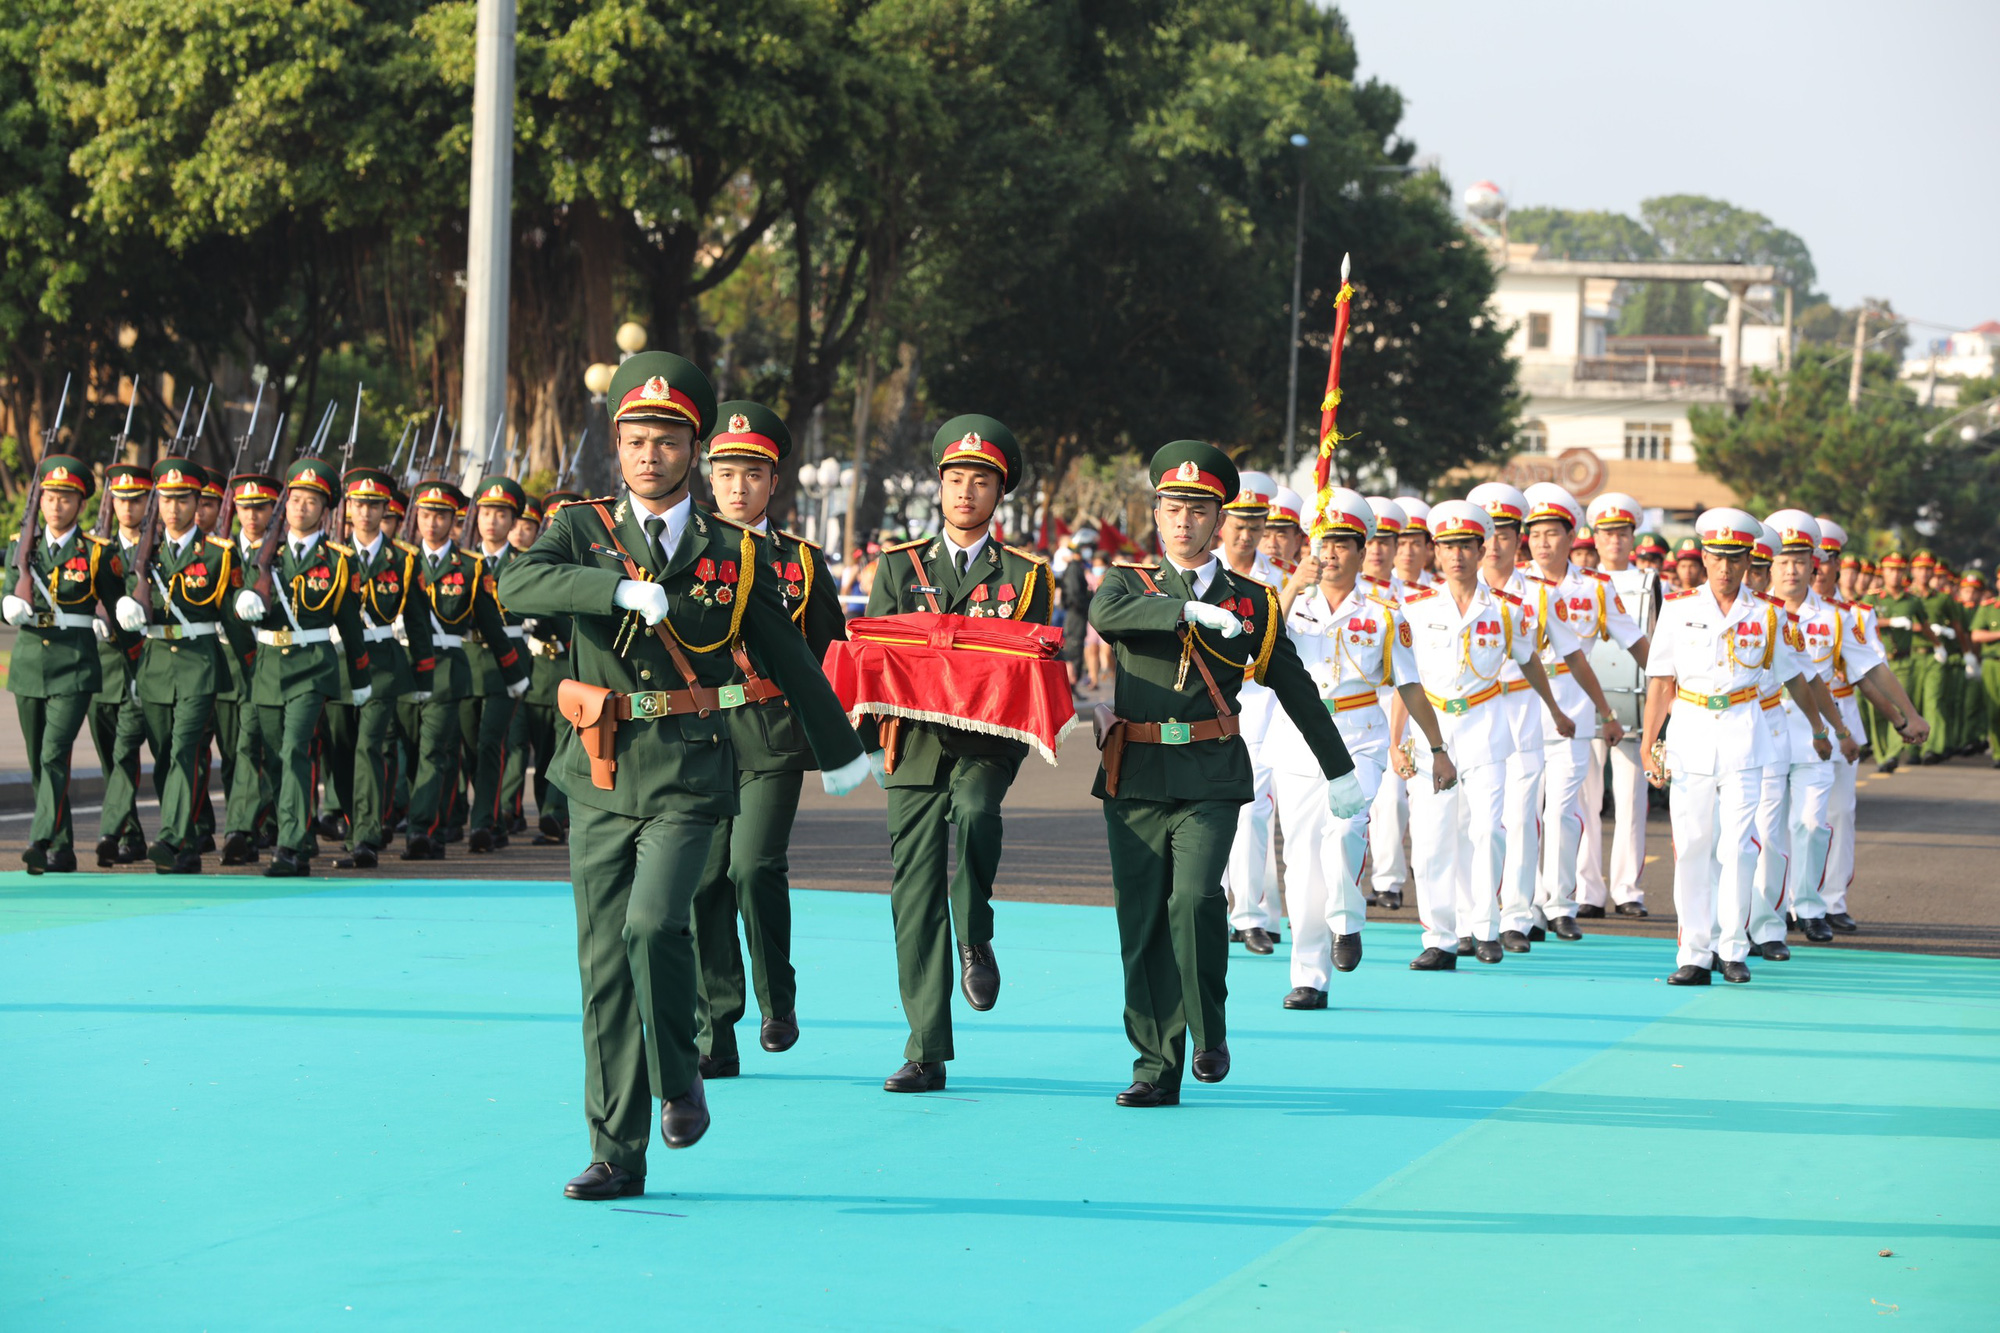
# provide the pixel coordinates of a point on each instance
(227, 514)
(569, 468)
(336, 523)
(149, 539)
(104, 511)
(412, 474)
(31, 515)
(325, 428)
(186, 403)
(195, 438)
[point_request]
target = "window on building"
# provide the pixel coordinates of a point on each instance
(1538, 331)
(1648, 439)
(1534, 438)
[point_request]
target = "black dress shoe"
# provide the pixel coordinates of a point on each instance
(206, 845)
(1590, 912)
(1842, 922)
(107, 852)
(1236, 937)
(1737, 971)
(1305, 997)
(1392, 901)
(421, 848)
(549, 831)
(605, 1181)
(1372, 899)
(1689, 975)
(728, 1067)
(1488, 951)
(1465, 946)
(363, 857)
(1777, 951)
(1536, 934)
(1212, 1066)
(518, 824)
(1347, 952)
(1630, 909)
(1816, 929)
(685, 1119)
(62, 861)
(35, 856)
(187, 863)
(500, 839)
(131, 848)
(267, 839)
(1513, 941)
(331, 827)
(237, 851)
(1565, 928)
(1149, 1094)
(978, 975)
(480, 842)
(1435, 960)
(916, 1076)
(286, 864)
(163, 854)
(779, 1034)
(1257, 940)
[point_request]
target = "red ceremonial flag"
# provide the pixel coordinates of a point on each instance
(1329, 406)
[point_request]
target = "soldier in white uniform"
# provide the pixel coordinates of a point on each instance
(1710, 651)
(1584, 601)
(1767, 921)
(1355, 644)
(1251, 881)
(1284, 543)
(1463, 633)
(1389, 818)
(1614, 520)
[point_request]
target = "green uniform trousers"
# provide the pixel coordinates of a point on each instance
(1989, 681)
(1971, 706)
(634, 881)
(178, 735)
(514, 773)
(1889, 746)
(119, 731)
(924, 901)
(49, 729)
(434, 782)
(748, 872)
(286, 734)
(253, 802)
(484, 723)
(539, 725)
(361, 767)
(1932, 699)
(1167, 860)
(339, 735)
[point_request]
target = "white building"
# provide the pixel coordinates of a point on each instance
(1971, 354)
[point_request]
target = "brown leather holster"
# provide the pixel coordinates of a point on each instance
(592, 711)
(1114, 733)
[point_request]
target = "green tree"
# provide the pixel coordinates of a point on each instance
(1566, 233)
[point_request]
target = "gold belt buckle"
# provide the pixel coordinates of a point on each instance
(1454, 707)
(281, 638)
(45, 619)
(1176, 733)
(651, 703)
(1717, 702)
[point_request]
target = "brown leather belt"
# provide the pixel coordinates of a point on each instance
(1122, 733)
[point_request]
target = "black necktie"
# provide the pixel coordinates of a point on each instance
(656, 528)
(964, 559)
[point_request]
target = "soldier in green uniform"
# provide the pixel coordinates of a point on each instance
(461, 599)
(748, 871)
(514, 773)
(1975, 718)
(297, 668)
(1984, 635)
(1188, 632)
(939, 775)
(187, 576)
(1936, 686)
(55, 671)
(117, 724)
(387, 586)
(1904, 626)
(252, 807)
(486, 713)
(661, 593)
(538, 723)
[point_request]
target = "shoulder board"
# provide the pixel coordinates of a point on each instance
(594, 500)
(727, 523)
(1506, 596)
(1245, 578)
(347, 551)
(1150, 566)
(223, 542)
(106, 541)
(904, 546)
(1036, 556)
(793, 536)
(407, 548)
(1384, 599)
(1418, 594)
(1684, 592)
(1537, 578)
(1597, 574)
(1774, 601)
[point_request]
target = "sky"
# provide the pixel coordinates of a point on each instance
(1871, 130)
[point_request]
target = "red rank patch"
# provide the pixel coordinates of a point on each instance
(1487, 627)
(77, 562)
(704, 569)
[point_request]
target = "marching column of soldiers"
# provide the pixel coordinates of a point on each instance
(1337, 675)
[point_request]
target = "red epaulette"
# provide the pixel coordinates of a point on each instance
(1418, 594)
(1684, 592)
(1506, 596)
(1597, 574)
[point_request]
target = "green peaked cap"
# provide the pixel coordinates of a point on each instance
(979, 439)
(1194, 468)
(660, 386)
(748, 430)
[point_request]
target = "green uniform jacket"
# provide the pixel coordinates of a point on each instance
(198, 579)
(1003, 581)
(51, 660)
(1942, 608)
(1986, 616)
(1145, 628)
(548, 658)
(387, 587)
(483, 651)
(320, 589)
(1896, 643)
(767, 736)
(463, 597)
(718, 591)
(118, 657)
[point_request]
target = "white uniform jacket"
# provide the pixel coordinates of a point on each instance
(1459, 659)
(1720, 659)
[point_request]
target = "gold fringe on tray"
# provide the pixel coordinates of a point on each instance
(964, 724)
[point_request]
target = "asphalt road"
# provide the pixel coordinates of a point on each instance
(1927, 852)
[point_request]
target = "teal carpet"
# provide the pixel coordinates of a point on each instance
(229, 1106)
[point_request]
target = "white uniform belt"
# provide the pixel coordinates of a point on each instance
(199, 629)
(377, 633)
(446, 641)
(60, 620)
(290, 638)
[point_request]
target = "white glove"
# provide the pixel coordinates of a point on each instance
(842, 780)
(135, 691)
(249, 606)
(1943, 631)
(15, 611)
(1225, 623)
(418, 696)
(1344, 796)
(102, 630)
(362, 694)
(648, 599)
(1939, 655)
(518, 688)
(1897, 622)
(131, 615)
(1971, 667)
(878, 764)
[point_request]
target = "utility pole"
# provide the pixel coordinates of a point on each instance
(1860, 344)
(490, 221)
(1299, 141)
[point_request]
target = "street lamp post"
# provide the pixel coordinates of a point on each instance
(1299, 142)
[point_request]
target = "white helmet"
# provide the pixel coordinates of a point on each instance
(1389, 517)
(1615, 509)
(1546, 500)
(1797, 530)
(1348, 514)
(1416, 513)
(1460, 518)
(1502, 503)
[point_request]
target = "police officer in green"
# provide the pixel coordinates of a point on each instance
(297, 668)
(1984, 637)
(117, 724)
(660, 593)
(54, 671)
(1188, 632)
(939, 775)
(1942, 677)
(185, 577)
(255, 497)
(538, 724)
(1904, 626)
(748, 870)
(461, 599)
(486, 713)
(387, 586)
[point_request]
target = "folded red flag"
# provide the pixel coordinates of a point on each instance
(978, 673)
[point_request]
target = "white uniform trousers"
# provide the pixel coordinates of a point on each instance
(1840, 841)
(1590, 852)
(1457, 845)
(1324, 861)
(1522, 818)
(1251, 880)
(1774, 852)
(1809, 835)
(1628, 827)
(1715, 862)
(1388, 825)
(1566, 766)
